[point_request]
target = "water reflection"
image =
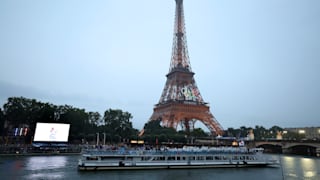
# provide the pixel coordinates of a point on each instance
(288, 162)
(46, 162)
(46, 167)
(309, 167)
(45, 176)
(300, 167)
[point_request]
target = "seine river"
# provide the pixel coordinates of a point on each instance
(65, 167)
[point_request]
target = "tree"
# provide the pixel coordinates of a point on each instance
(94, 118)
(153, 130)
(259, 132)
(117, 123)
(46, 112)
(231, 132)
(78, 120)
(2, 120)
(198, 132)
(153, 127)
(16, 110)
(274, 129)
(290, 135)
(20, 111)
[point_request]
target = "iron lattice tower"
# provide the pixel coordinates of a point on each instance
(181, 102)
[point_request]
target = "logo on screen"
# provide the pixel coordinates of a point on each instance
(53, 133)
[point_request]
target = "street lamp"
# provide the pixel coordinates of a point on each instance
(97, 139)
(104, 138)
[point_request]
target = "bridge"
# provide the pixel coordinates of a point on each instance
(303, 147)
(299, 147)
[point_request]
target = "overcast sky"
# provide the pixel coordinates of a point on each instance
(255, 62)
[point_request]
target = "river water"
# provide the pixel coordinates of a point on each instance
(65, 167)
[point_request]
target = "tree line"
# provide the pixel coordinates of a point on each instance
(154, 131)
(262, 133)
(21, 112)
(113, 127)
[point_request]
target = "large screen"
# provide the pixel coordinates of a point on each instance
(52, 132)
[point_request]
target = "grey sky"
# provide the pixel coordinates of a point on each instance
(256, 62)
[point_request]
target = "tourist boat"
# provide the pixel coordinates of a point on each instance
(186, 157)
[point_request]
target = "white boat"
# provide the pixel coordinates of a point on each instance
(187, 157)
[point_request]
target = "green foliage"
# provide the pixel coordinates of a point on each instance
(260, 133)
(118, 124)
(241, 132)
(153, 127)
(115, 125)
(293, 136)
(94, 118)
(153, 130)
(2, 120)
(23, 112)
(78, 119)
(198, 132)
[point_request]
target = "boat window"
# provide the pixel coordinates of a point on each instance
(145, 158)
(183, 158)
(160, 158)
(235, 158)
(209, 158)
(104, 158)
(92, 158)
(112, 158)
(171, 158)
(217, 158)
(178, 158)
(200, 158)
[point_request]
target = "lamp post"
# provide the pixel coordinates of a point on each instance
(97, 139)
(104, 139)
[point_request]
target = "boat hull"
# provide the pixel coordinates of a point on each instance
(152, 167)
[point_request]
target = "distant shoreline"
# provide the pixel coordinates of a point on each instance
(40, 154)
(29, 150)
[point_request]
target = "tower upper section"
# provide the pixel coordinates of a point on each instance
(180, 57)
(180, 84)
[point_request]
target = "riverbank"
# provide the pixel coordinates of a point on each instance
(29, 150)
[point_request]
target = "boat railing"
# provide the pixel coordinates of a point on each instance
(171, 151)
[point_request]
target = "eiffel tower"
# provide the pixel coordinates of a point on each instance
(181, 102)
